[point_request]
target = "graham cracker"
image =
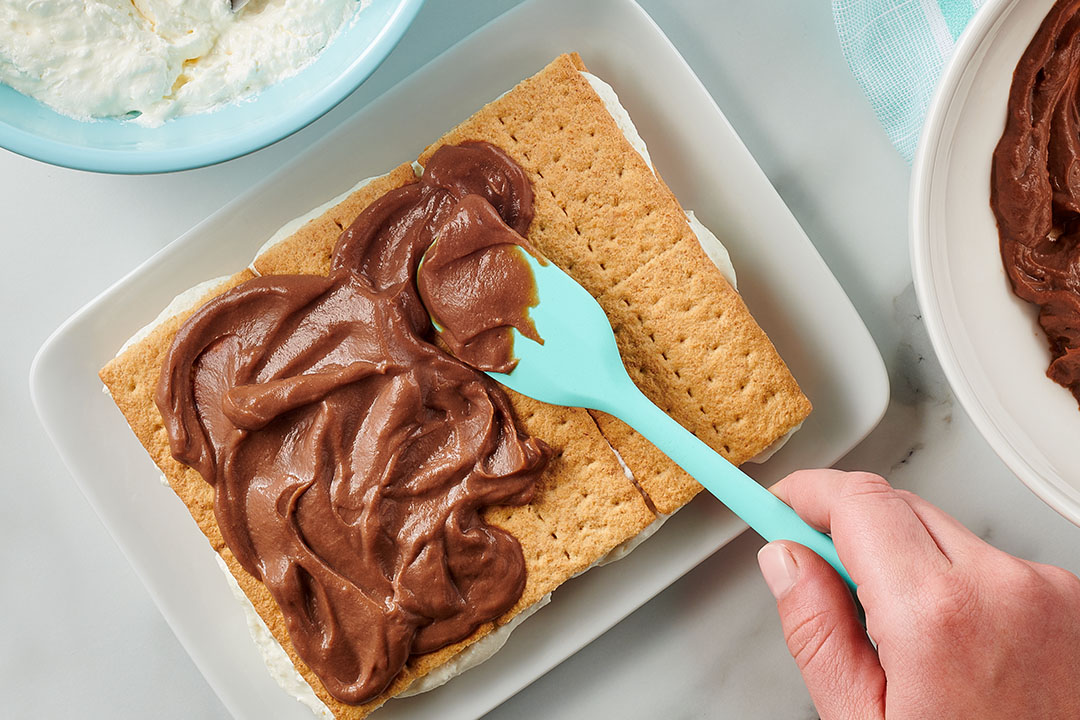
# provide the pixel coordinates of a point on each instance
(606, 218)
(308, 250)
(583, 508)
(132, 379)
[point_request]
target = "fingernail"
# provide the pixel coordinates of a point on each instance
(778, 567)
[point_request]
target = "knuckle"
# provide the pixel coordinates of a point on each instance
(1046, 592)
(907, 495)
(808, 636)
(1027, 584)
(950, 606)
(1071, 585)
(799, 480)
(862, 485)
(1066, 582)
(1043, 602)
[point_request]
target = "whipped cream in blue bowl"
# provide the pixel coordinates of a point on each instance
(149, 86)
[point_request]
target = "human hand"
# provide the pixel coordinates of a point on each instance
(963, 630)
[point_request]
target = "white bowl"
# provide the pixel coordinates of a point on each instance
(988, 340)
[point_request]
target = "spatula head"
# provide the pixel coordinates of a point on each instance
(578, 363)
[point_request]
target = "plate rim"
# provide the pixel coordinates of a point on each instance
(925, 272)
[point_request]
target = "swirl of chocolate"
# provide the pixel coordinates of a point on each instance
(351, 457)
(1035, 186)
(475, 318)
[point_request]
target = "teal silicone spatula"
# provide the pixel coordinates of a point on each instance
(579, 365)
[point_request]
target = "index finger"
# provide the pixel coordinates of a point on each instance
(879, 538)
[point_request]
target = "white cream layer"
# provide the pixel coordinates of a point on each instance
(287, 230)
(273, 655)
(473, 655)
(160, 58)
(182, 302)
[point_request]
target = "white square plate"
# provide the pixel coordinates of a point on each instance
(786, 284)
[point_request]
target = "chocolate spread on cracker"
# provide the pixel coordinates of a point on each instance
(1035, 186)
(350, 456)
(477, 285)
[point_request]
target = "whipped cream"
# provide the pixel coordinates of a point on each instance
(159, 58)
(473, 655)
(273, 654)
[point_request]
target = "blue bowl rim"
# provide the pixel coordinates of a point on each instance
(137, 162)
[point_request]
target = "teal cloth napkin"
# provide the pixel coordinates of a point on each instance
(897, 50)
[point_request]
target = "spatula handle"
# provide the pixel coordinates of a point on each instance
(761, 510)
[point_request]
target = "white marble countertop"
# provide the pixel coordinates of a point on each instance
(81, 636)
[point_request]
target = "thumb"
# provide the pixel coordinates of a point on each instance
(839, 665)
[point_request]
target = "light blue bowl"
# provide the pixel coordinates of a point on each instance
(115, 146)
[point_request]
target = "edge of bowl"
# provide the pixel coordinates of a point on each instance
(922, 176)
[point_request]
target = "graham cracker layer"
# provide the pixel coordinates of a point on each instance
(584, 505)
(602, 215)
(686, 337)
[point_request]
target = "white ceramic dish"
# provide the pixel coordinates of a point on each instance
(788, 287)
(988, 340)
